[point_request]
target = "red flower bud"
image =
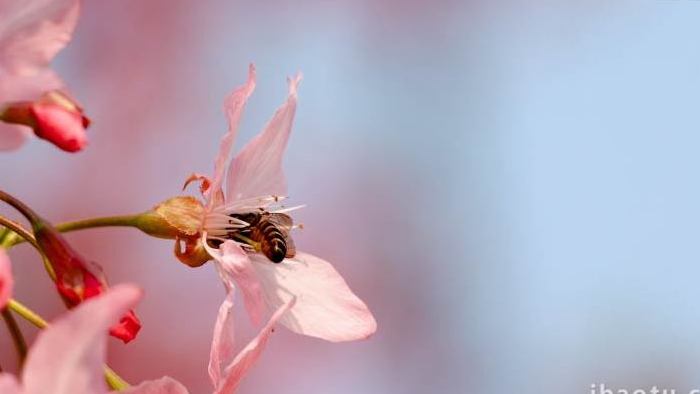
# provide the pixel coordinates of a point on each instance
(53, 117)
(76, 278)
(62, 127)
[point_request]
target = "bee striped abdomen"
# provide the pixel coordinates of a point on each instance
(272, 242)
(267, 233)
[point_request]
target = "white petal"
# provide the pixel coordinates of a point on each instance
(325, 307)
(257, 170)
(69, 355)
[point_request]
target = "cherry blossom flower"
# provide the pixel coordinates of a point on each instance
(6, 280)
(69, 355)
(32, 96)
(325, 306)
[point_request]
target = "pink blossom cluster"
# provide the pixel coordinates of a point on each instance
(301, 292)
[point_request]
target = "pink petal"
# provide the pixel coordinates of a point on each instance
(6, 280)
(233, 105)
(8, 384)
(237, 268)
(12, 136)
(27, 87)
(250, 354)
(33, 31)
(69, 355)
(164, 385)
(326, 307)
(257, 170)
(222, 344)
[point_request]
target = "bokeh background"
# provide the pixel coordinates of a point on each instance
(510, 186)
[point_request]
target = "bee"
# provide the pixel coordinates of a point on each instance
(266, 232)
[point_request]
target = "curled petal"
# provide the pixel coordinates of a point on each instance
(164, 385)
(205, 188)
(235, 267)
(326, 308)
(250, 354)
(204, 182)
(233, 105)
(33, 32)
(257, 169)
(6, 280)
(222, 345)
(70, 353)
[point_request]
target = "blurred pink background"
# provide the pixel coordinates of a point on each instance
(152, 76)
(510, 186)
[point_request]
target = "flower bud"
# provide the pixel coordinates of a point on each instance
(53, 117)
(76, 278)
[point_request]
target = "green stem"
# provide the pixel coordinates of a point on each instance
(17, 229)
(16, 333)
(3, 235)
(20, 234)
(20, 206)
(26, 313)
(114, 381)
(14, 229)
(107, 221)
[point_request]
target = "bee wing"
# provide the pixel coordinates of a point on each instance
(291, 248)
(282, 221)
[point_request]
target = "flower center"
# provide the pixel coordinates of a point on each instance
(259, 225)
